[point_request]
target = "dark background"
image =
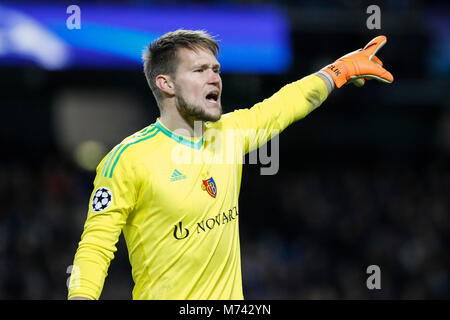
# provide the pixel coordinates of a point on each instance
(363, 180)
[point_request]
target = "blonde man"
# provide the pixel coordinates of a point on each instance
(180, 219)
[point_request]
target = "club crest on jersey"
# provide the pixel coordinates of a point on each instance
(209, 185)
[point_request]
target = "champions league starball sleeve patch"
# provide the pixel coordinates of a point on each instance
(102, 199)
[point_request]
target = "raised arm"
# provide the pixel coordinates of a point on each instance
(294, 101)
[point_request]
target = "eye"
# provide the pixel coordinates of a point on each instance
(198, 70)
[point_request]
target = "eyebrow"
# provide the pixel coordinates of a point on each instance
(206, 65)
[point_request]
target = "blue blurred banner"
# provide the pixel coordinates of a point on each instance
(438, 22)
(253, 39)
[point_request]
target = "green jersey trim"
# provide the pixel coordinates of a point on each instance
(115, 154)
(180, 139)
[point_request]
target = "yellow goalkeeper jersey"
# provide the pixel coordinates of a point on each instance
(176, 200)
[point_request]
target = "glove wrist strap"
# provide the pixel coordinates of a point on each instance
(326, 75)
(337, 72)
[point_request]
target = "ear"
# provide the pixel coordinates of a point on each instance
(165, 84)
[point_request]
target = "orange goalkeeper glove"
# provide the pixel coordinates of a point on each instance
(359, 65)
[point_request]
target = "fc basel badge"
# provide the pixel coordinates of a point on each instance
(210, 186)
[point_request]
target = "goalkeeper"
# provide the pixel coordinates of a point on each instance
(180, 219)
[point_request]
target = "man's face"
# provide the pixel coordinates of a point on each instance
(198, 86)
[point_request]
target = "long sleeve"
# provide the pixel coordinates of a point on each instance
(113, 198)
(291, 103)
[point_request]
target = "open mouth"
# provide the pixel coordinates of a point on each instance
(213, 96)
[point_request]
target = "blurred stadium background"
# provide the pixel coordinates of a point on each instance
(363, 180)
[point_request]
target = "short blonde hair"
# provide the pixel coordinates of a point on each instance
(161, 55)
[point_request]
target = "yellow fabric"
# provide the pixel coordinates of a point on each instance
(182, 235)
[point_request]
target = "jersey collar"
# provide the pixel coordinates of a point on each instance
(180, 139)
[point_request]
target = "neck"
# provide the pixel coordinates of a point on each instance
(175, 121)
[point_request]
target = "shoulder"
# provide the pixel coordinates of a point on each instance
(228, 120)
(238, 119)
(128, 153)
(140, 139)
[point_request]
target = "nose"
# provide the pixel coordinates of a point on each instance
(214, 78)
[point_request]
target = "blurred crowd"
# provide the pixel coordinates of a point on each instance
(308, 232)
(320, 228)
(335, 221)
